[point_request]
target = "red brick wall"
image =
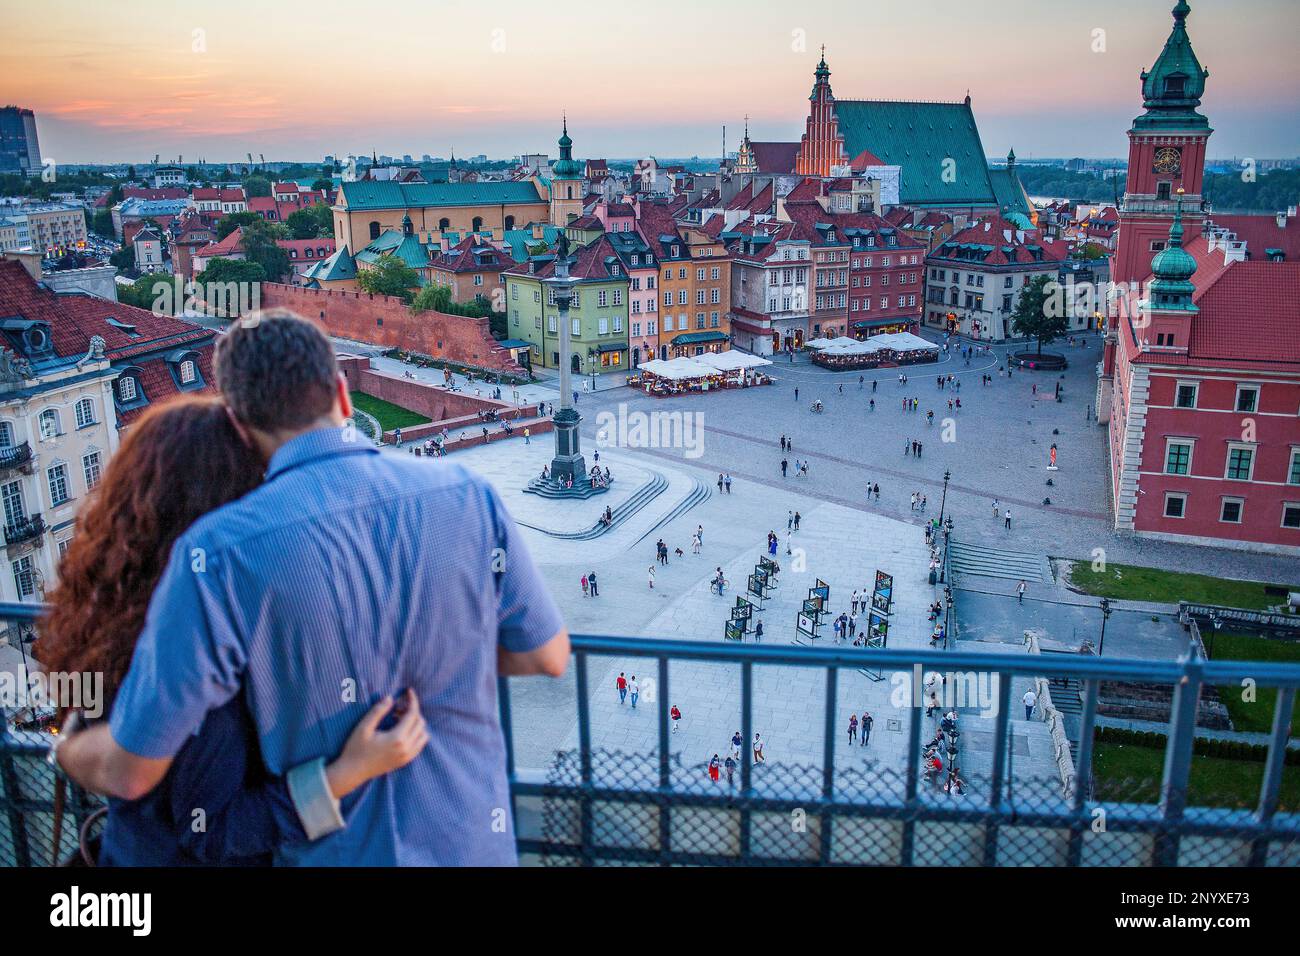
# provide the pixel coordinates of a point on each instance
(387, 321)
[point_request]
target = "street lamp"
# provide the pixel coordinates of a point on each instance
(591, 367)
(947, 533)
(1105, 614)
(944, 500)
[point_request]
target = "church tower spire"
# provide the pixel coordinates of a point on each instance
(822, 144)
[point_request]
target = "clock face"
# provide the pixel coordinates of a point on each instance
(1168, 159)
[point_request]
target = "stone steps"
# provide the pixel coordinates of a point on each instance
(998, 563)
(699, 493)
(639, 499)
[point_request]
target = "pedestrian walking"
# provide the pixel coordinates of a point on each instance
(730, 766)
(650, 571)
(853, 728)
(796, 521)
(737, 742)
(1020, 593)
(1029, 700)
(715, 765)
(633, 690)
(1008, 519)
(784, 465)
(621, 684)
(796, 393)
(758, 750)
(758, 631)
(853, 625)
(526, 434)
(591, 579)
(584, 585)
(727, 482)
(719, 482)
(676, 716)
(853, 603)
(996, 509)
(867, 721)
(789, 520)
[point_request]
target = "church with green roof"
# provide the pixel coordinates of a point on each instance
(935, 145)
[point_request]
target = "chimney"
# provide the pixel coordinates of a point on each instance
(1281, 220)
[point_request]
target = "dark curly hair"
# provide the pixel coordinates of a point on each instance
(180, 461)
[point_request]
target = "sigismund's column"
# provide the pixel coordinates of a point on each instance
(568, 460)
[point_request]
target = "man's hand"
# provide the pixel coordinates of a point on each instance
(93, 759)
(550, 659)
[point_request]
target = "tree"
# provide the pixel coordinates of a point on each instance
(389, 276)
(236, 220)
(259, 244)
(124, 259)
(231, 270)
(144, 291)
(324, 185)
(256, 186)
(313, 222)
(1033, 320)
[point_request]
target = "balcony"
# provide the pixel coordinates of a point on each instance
(590, 804)
(15, 456)
(25, 529)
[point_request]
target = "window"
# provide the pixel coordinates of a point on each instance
(1164, 190)
(714, 320)
(602, 298)
(1175, 504)
(602, 326)
(92, 467)
(1291, 514)
(1230, 510)
(1247, 398)
(49, 424)
(1293, 472)
(477, 225)
(1185, 396)
(478, 280)
(715, 273)
(444, 224)
(1241, 461)
(6, 435)
(24, 577)
(576, 327)
(12, 496)
(374, 229)
(699, 275)
(126, 390)
(1178, 458)
(57, 476)
(618, 296)
(668, 323)
(188, 372)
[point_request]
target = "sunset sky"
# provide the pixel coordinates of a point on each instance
(123, 80)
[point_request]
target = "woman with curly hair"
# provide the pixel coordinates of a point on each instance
(217, 804)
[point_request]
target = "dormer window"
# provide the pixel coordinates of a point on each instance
(121, 326)
(1175, 84)
(188, 373)
(126, 389)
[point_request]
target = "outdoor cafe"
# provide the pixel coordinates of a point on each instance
(700, 373)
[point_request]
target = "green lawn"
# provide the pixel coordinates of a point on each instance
(1132, 583)
(1256, 715)
(1129, 773)
(390, 416)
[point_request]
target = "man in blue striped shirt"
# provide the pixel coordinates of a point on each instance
(347, 575)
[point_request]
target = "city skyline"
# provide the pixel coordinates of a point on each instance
(179, 86)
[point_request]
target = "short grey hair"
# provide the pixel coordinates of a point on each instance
(276, 370)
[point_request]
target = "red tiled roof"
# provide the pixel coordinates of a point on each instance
(775, 157)
(462, 258)
(74, 318)
(588, 263)
(994, 231)
(1261, 233)
(226, 247)
(301, 247)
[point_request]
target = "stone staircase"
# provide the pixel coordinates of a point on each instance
(699, 492)
(639, 499)
(999, 563)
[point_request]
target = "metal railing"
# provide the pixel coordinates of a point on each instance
(25, 529)
(15, 456)
(587, 805)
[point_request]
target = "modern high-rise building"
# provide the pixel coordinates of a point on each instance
(19, 150)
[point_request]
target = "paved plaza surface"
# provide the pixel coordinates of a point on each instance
(998, 448)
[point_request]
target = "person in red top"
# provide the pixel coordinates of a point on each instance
(714, 765)
(676, 715)
(621, 684)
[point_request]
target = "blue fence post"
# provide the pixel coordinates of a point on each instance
(584, 755)
(1178, 761)
(746, 763)
(913, 761)
(828, 764)
(508, 733)
(1272, 783)
(1001, 743)
(10, 789)
(1083, 772)
(665, 771)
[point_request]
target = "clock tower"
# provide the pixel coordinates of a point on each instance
(1166, 155)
